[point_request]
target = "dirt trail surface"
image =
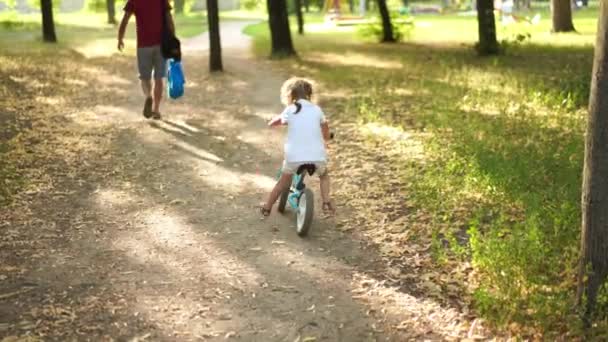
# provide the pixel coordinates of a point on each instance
(147, 230)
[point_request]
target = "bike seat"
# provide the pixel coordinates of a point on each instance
(310, 168)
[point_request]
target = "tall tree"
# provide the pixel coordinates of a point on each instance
(48, 24)
(594, 238)
(488, 45)
(111, 6)
(215, 46)
(282, 44)
(179, 6)
(561, 14)
(300, 16)
(387, 26)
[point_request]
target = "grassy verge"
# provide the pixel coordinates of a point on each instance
(475, 160)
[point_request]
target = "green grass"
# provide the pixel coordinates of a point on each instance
(502, 142)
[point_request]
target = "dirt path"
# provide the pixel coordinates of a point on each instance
(150, 232)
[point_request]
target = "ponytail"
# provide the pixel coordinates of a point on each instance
(298, 107)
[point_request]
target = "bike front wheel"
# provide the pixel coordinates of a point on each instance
(305, 214)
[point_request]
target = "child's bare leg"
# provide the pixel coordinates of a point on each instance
(325, 183)
(281, 185)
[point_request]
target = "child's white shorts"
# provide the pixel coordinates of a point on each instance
(293, 167)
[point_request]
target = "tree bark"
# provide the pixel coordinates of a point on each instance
(111, 6)
(488, 45)
(561, 15)
(215, 46)
(387, 27)
(48, 24)
(593, 267)
(300, 16)
(282, 45)
(179, 6)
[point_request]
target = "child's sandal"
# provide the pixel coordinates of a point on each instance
(263, 210)
(328, 209)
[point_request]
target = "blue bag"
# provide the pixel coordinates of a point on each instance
(175, 79)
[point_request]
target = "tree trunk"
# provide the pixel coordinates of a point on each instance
(215, 46)
(488, 45)
(300, 16)
(307, 5)
(561, 14)
(111, 6)
(387, 27)
(179, 6)
(282, 46)
(48, 25)
(593, 267)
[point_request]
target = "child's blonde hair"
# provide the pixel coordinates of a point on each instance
(296, 88)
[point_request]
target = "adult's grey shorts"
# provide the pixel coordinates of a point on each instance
(150, 59)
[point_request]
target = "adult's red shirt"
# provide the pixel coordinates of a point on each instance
(148, 20)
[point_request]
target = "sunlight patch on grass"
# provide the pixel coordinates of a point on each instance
(76, 82)
(402, 91)
(112, 197)
(99, 47)
(29, 82)
(104, 77)
(51, 101)
(388, 132)
(328, 27)
(352, 59)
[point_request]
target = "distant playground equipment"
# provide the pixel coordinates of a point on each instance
(335, 15)
(505, 9)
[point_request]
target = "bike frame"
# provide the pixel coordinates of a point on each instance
(295, 189)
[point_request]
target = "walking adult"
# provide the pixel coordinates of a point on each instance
(150, 62)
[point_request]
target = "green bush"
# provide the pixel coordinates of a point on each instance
(374, 30)
(96, 5)
(251, 5)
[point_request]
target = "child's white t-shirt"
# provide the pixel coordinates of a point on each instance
(304, 136)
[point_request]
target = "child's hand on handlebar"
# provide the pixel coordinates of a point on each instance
(275, 121)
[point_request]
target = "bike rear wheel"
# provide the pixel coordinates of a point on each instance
(305, 213)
